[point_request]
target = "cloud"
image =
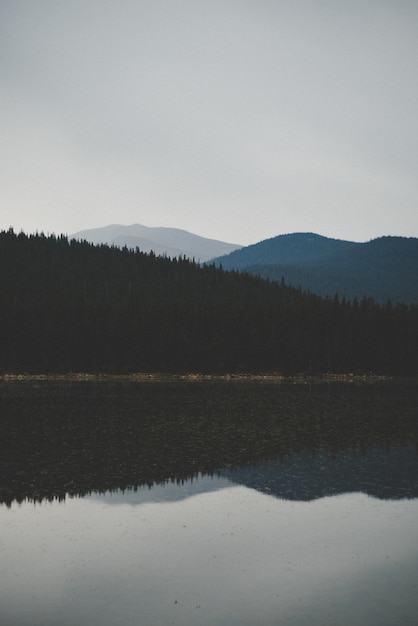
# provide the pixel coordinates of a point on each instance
(199, 113)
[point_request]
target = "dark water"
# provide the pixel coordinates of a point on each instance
(208, 503)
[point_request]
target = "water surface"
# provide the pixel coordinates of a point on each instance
(208, 504)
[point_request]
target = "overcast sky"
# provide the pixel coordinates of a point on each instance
(234, 119)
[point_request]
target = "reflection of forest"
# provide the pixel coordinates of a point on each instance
(73, 438)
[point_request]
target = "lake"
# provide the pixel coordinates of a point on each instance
(145, 503)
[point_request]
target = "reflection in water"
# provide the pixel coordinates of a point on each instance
(230, 556)
(73, 438)
(379, 472)
(179, 524)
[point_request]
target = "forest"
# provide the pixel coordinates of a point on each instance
(69, 306)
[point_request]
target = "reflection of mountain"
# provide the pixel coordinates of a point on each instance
(386, 474)
(77, 438)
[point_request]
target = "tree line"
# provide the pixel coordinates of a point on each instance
(70, 306)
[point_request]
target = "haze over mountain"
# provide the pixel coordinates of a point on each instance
(172, 242)
(384, 269)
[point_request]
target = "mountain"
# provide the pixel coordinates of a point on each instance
(172, 242)
(70, 306)
(295, 248)
(384, 269)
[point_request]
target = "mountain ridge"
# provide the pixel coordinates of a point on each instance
(171, 242)
(71, 306)
(294, 247)
(384, 268)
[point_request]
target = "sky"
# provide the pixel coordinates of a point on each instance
(237, 120)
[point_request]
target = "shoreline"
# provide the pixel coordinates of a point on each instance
(196, 377)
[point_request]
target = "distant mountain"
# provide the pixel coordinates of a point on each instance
(295, 248)
(384, 269)
(172, 242)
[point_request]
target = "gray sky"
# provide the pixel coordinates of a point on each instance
(234, 119)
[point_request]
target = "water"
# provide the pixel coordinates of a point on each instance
(287, 504)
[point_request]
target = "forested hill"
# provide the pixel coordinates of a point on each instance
(384, 269)
(72, 306)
